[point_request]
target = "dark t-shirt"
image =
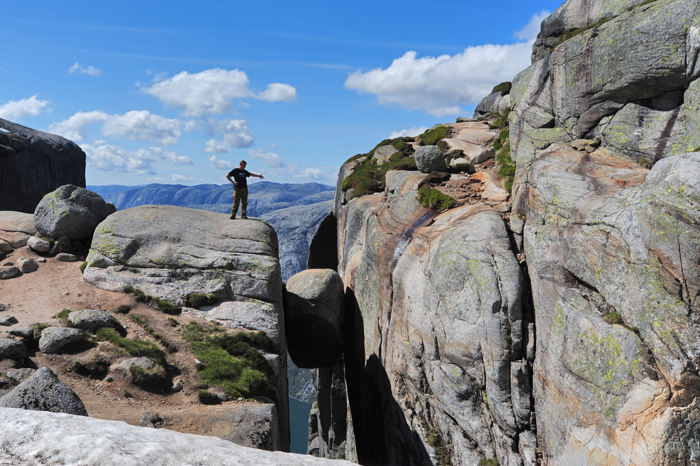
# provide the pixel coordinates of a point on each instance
(239, 176)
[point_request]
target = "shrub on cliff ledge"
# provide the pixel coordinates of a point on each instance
(433, 199)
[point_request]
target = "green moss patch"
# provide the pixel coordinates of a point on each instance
(208, 398)
(433, 199)
(504, 88)
(501, 119)
(162, 304)
(134, 348)
(231, 360)
(82, 266)
(613, 318)
(152, 380)
(95, 368)
(197, 300)
(506, 167)
(123, 309)
(433, 135)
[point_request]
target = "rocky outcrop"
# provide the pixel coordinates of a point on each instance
(496, 102)
(35, 438)
(70, 211)
(42, 391)
(314, 305)
(35, 163)
(172, 252)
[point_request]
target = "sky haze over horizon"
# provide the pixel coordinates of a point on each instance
(175, 92)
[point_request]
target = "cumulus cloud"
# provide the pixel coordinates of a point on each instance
(213, 91)
(410, 132)
(235, 133)
(137, 125)
(171, 157)
(531, 29)
(276, 165)
(182, 179)
(117, 160)
(276, 92)
(90, 70)
(220, 163)
(15, 110)
(439, 85)
(315, 174)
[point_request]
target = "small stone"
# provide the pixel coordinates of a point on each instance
(177, 387)
(8, 272)
(91, 320)
(109, 379)
(142, 362)
(38, 244)
(197, 361)
(41, 259)
(20, 375)
(25, 333)
(5, 246)
(8, 264)
(12, 349)
(8, 321)
(65, 257)
(3, 307)
(27, 265)
(221, 396)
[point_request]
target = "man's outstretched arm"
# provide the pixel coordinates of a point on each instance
(257, 176)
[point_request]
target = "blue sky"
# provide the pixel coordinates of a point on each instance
(178, 92)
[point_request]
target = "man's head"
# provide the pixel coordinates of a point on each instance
(242, 164)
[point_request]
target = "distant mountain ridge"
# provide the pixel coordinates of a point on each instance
(263, 197)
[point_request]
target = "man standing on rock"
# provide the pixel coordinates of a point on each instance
(240, 188)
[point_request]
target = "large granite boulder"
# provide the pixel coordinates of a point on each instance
(172, 252)
(314, 306)
(430, 159)
(35, 163)
(495, 102)
(44, 392)
(15, 228)
(66, 439)
(71, 211)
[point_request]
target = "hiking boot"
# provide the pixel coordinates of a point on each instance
(232, 217)
(243, 216)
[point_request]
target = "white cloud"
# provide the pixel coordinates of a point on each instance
(410, 132)
(316, 174)
(221, 164)
(276, 92)
(15, 110)
(213, 91)
(91, 70)
(137, 125)
(276, 164)
(141, 125)
(117, 160)
(182, 179)
(171, 157)
(439, 85)
(531, 29)
(235, 133)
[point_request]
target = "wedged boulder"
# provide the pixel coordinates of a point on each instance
(314, 306)
(35, 163)
(12, 349)
(71, 211)
(42, 391)
(66, 439)
(430, 159)
(492, 103)
(38, 244)
(91, 320)
(16, 227)
(54, 339)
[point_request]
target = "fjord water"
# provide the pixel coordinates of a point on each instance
(299, 425)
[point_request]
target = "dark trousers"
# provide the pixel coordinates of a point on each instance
(240, 196)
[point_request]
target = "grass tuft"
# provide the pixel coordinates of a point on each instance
(127, 394)
(488, 462)
(613, 318)
(504, 88)
(123, 309)
(134, 348)
(197, 300)
(433, 199)
(162, 304)
(433, 135)
(152, 380)
(96, 368)
(82, 266)
(208, 398)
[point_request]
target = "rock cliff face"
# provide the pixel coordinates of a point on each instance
(562, 329)
(35, 163)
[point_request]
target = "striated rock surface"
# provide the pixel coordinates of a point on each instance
(35, 163)
(51, 439)
(170, 252)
